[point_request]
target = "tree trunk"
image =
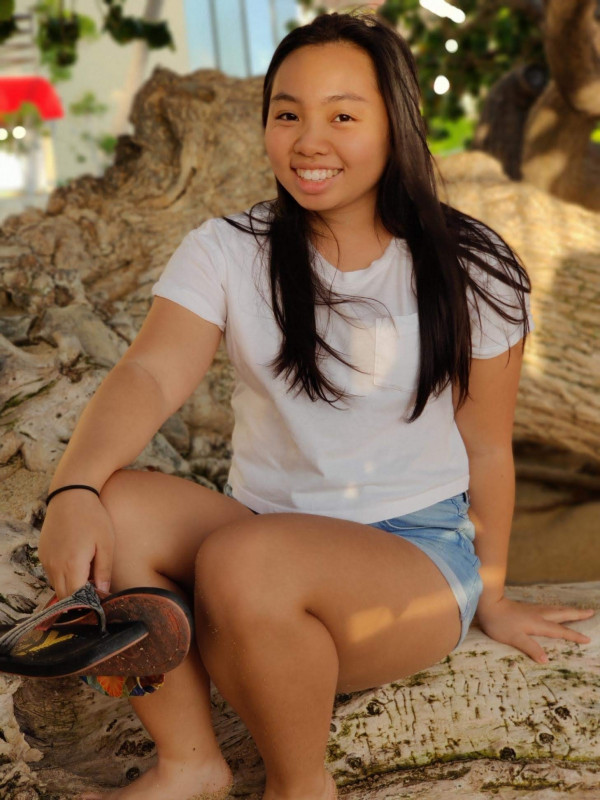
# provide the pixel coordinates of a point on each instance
(501, 125)
(558, 155)
(484, 701)
(542, 135)
(559, 393)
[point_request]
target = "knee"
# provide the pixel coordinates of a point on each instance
(232, 569)
(121, 501)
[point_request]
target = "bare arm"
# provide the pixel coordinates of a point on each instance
(163, 366)
(485, 423)
(159, 371)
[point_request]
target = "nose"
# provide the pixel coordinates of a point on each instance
(310, 139)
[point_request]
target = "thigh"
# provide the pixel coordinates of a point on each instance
(160, 521)
(387, 606)
(446, 534)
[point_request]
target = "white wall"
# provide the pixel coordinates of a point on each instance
(102, 68)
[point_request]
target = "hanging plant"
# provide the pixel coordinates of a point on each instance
(60, 30)
(7, 23)
(58, 34)
(125, 29)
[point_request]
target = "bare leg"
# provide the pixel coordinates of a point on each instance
(190, 763)
(284, 688)
(320, 606)
(159, 522)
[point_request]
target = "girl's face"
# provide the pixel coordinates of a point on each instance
(326, 113)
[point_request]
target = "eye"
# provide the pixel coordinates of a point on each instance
(290, 114)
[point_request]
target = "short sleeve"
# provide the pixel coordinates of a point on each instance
(195, 275)
(491, 334)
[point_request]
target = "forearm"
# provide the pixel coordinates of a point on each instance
(492, 492)
(115, 426)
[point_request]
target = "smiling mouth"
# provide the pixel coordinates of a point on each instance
(322, 175)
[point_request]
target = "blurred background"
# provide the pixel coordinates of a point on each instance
(70, 68)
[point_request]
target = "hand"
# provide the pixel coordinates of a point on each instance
(513, 622)
(76, 543)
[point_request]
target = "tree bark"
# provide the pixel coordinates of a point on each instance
(484, 701)
(574, 28)
(559, 393)
(503, 119)
(542, 135)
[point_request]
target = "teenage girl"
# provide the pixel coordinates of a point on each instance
(377, 337)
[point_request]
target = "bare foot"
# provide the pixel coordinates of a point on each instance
(171, 780)
(328, 793)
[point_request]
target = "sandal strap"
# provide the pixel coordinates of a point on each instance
(85, 597)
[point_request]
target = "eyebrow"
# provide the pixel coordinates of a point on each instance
(333, 98)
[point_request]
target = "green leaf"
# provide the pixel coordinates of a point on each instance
(157, 35)
(87, 105)
(7, 9)
(107, 143)
(7, 28)
(446, 137)
(87, 27)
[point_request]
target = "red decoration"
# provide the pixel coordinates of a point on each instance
(18, 89)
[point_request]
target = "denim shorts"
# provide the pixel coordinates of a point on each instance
(445, 533)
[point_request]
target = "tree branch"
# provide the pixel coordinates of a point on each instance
(573, 28)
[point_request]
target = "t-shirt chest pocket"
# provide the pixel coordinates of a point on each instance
(397, 352)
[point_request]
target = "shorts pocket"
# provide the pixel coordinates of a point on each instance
(461, 505)
(397, 352)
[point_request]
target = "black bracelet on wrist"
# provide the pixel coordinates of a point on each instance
(72, 486)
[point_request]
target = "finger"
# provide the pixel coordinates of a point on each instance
(531, 648)
(76, 577)
(102, 568)
(59, 586)
(566, 613)
(49, 572)
(50, 577)
(570, 634)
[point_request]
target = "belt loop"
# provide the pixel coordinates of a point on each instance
(467, 497)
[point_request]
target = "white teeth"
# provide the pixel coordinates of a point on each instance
(317, 174)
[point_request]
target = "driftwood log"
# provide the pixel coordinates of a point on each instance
(74, 288)
(559, 396)
(485, 717)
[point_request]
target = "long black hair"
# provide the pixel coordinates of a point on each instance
(443, 241)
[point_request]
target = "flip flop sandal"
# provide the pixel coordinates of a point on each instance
(166, 618)
(35, 648)
(124, 686)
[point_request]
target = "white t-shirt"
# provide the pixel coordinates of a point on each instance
(360, 461)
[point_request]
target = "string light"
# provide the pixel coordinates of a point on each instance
(441, 84)
(444, 9)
